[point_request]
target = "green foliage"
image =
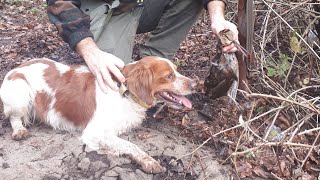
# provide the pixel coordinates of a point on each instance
(34, 10)
(278, 69)
(271, 71)
(44, 6)
(17, 2)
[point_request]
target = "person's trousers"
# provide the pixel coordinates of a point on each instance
(168, 22)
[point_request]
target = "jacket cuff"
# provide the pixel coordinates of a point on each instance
(77, 37)
(205, 3)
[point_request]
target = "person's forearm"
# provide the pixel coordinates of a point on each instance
(72, 24)
(216, 10)
(86, 47)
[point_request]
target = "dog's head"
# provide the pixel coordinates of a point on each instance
(153, 79)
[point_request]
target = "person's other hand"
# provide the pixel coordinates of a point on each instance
(220, 24)
(102, 64)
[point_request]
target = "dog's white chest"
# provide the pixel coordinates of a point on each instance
(116, 114)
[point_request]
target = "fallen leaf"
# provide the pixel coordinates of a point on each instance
(296, 173)
(245, 170)
(2, 26)
(284, 122)
(306, 81)
(261, 172)
(284, 169)
(307, 176)
(314, 159)
(12, 55)
(145, 135)
(295, 45)
(185, 120)
(308, 166)
(268, 162)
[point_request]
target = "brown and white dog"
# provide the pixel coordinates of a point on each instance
(68, 98)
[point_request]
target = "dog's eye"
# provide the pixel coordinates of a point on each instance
(169, 76)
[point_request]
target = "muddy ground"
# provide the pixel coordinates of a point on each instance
(49, 154)
(25, 33)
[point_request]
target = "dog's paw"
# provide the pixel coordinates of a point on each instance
(150, 165)
(20, 134)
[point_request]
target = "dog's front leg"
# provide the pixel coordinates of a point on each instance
(118, 146)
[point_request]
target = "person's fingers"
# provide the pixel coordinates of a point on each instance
(234, 49)
(119, 63)
(107, 78)
(226, 49)
(230, 48)
(234, 29)
(101, 83)
(116, 72)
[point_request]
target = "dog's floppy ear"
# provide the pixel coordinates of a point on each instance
(139, 81)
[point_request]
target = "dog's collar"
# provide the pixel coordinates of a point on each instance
(123, 90)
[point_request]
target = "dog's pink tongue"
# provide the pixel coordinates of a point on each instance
(186, 102)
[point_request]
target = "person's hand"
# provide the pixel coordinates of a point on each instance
(102, 64)
(220, 24)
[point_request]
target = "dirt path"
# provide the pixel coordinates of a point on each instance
(50, 154)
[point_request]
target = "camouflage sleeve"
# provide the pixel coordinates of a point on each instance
(73, 25)
(205, 3)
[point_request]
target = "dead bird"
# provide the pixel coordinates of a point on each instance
(223, 76)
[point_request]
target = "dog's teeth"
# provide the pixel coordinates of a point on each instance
(180, 102)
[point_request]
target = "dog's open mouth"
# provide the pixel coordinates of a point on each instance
(172, 99)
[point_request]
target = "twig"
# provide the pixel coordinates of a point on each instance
(287, 144)
(295, 53)
(309, 131)
(202, 166)
(303, 120)
(311, 49)
(159, 110)
(303, 88)
(236, 149)
(189, 165)
(276, 153)
(284, 99)
(295, 156)
(255, 134)
(234, 127)
(314, 142)
(273, 121)
(275, 176)
(270, 144)
(294, 7)
(263, 42)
